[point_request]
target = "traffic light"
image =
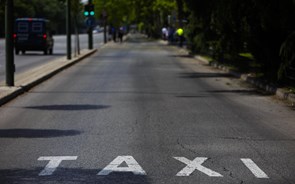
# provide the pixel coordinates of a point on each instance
(89, 10)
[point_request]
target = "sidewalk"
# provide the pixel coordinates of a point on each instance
(279, 92)
(35, 76)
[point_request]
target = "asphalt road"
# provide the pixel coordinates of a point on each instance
(142, 112)
(33, 59)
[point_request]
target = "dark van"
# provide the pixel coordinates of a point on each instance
(33, 34)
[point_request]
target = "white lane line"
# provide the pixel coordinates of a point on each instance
(258, 173)
(132, 166)
(54, 162)
(195, 164)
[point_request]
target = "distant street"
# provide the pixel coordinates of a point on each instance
(34, 58)
(142, 112)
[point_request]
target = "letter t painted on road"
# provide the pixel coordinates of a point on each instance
(54, 162)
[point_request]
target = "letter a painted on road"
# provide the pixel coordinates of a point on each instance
(132, 164)
(193, 165)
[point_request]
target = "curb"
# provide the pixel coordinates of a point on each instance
(281, 93)
(9, 93)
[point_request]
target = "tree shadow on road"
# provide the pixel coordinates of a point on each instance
(41, 54)
(242, 91)
(36, 133)
(205, 75)
(67, 175)
(68, 107)
(181, 56)
(191, 96)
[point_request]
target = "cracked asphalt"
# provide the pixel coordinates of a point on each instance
(144, 112)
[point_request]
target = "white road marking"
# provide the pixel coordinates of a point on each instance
(54, 162)
(258, 173)
(195, 164)
(132, 164)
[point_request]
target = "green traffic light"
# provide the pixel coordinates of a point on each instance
(86, 13)
(92, 13)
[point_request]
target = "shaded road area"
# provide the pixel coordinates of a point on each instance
(144, 112)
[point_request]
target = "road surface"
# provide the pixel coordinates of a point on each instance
(143, 112)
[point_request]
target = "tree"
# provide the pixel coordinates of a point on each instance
(54, 10)
(76, 10)
(270, 24)
(229, 27)
(150, 14)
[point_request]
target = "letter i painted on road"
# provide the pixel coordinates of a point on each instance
(258, 173)
(132, 166)
(53, 164)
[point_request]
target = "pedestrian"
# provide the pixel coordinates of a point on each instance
(120, 34)
(171, 31)
(180, 35)
(114, 34)
(164, 33)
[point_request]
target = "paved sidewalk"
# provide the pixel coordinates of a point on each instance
(279, 92)
(35, 76)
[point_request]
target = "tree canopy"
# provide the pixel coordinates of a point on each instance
(53, 10)
(263, 28)
(148, 14)
(230, 27)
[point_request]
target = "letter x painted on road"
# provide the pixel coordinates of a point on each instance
(196, 164)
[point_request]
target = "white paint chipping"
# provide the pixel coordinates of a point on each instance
(132, 166)
(258, 173)
(195, 164)
(53, 164)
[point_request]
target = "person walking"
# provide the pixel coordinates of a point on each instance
(120, 34)
(114, 34)
(180, 35)
(164, 33)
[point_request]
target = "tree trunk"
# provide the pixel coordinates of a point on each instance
(180, 11)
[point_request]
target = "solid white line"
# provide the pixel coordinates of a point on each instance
(258, 173)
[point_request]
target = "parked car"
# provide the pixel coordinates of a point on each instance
(33, 34)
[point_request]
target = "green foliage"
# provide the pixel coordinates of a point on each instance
(53, 10)
(287, 53)
(230, 27)
(118, 12)
(150, 15)
(247, 55)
